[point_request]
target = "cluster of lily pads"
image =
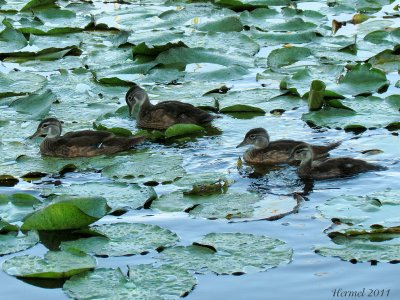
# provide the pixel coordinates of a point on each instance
(75, 60)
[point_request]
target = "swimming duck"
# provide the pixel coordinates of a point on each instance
(164, 114)
(329, 168)
(277, 152)
(85, 143)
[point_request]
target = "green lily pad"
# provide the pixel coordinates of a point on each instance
(19, 83)
(286, 56)
(54, 264)
(185, 56)
(147, 167)
(37, 106)
(6, 227)
(10, 243)
(142, 282)
(16, 206)
(230, 253)
(381, 208)
(11, 40)
(231, 206)
(368, 112)
(239, 5)
(242, 108)
(120, 239)
(182, 129)
(67, 213)
(361, 80)
(361, 249)
(118, 195)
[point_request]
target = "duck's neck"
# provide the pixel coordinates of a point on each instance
(305, 167)
(140, 107)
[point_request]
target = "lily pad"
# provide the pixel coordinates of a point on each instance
(286, 56)
(118, 195)
(54, 264)
(361, 80)
(182, 129)
(231, 206)
(10, 243)
(67, 213)
(6, 227)
(37, 106)
(16, 206)
(142, 282)
(120, 239)
(230, 253)
(18, 83)
(362, 212)
(361, 249)
(358, 112)
(147, 167)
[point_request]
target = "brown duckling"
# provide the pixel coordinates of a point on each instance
(329, 168)
(164, 114)
(85, 143)
(277, 152)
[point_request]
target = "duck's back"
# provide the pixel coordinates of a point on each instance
(87, 143)
(342, 167)
(168, 113)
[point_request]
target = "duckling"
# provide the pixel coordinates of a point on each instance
(276, 152)
(85, 143)
(164, 114)
(329, 168)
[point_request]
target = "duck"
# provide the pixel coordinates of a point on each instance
(330, 168)
(276, 152)
(85, 143)
(164, 114)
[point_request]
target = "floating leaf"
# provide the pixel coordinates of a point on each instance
(16, 206)
(8, 180)
(118, 195)
(182, 129)
(37, 106)
(230, 253)
(10, 243)
(231, 206)
(238, 108)
(55, 264)
(286, 56)
(147, 167)
(143, 282)
(6, 227)
(67, 213)
(19, 83)
(120, 239)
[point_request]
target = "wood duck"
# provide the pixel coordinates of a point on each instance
(85, 143)
(164, 114)
(329, 168)
(277, 152)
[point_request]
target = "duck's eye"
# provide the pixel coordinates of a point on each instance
(45, 125)
(252, 137)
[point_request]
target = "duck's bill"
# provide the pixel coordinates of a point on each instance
(244, 143)
(36, 134)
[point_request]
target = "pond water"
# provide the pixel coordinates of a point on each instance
(309, 275)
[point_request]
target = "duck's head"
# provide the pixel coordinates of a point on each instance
(135, 98)
(50, 128)
(258, 137)
(302, 152)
